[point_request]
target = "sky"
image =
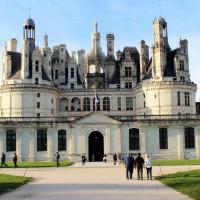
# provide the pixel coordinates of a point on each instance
(70, 22)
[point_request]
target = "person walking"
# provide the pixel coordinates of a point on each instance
(129, 164)
(83, 158)
(115, 158)
(3, 160)
(139, 162)
(57, 159)
(148, 165)
(15, 160)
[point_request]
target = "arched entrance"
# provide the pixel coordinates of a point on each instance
(95, 146)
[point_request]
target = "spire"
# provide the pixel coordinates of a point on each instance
(95, 26)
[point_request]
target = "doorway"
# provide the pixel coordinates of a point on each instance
(95, 146)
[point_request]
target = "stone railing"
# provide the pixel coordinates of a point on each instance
(123, 118)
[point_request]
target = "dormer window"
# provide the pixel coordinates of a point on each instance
(181, 65)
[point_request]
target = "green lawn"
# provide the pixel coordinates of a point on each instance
(175, 162)
(39, 164)
(185, 182)
(8, 182)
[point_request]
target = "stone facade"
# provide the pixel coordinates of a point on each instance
(98, 104)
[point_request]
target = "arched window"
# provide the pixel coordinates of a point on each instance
(75, 104)
(10, 140)
(62, 140)
(163, 138)
(63, 105)
(86, 104)
(134, 142)
(189, 138)
(96, 105)
(106, 103)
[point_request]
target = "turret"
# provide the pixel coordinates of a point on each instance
(110, 44)
(160, 47)
(95, 39)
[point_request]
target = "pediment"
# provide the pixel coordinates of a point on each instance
(97, 118)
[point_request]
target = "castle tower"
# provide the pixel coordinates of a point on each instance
(95, 39)
(110, 44)
(28, 45)
(160, 47)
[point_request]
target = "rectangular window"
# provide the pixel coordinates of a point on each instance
(52, 111)
(38, 95)
(38, 114)
(72, 72)
(129, 103)
(72, 86)
(187, 99)
(51, 101)
(182, 78)
(36, 68)
(38, 104)
(66, 75)
(134, 142)
(119, 103)
(178, 98)
(181, 65)
(163, 138)
(128, 85)
(41, 140)
(189, 138)
(62, 140)
(127, 71)
(10, 140)
(36, 81)
(56, 74)
(118, 86)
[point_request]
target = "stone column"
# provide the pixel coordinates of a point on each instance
(50, 144)
(107, 141)
(197, 143)
(19, 135)
(32, 144)
(2, 140)
(117, 140)
(142, 140)
(180, 144)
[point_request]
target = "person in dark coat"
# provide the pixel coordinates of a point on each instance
(15, 160)
(3, 160)
(129, 164)
(139, 162)
(57, 159)
(115, 158)
(83, 158)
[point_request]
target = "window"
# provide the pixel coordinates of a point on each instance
(38, 95)
(41, 140)
(72, 86)
(51, 101)
(62, 140)
(118, 86)
(181, 65)
(187, 99)
(10, 140)
(36, 62)
(134, 142)
(72, 72)
(163, 138)
(62, 61)
(45, 54)
(38, 104)
(86, 104)
(56, 74)
(36, 68)
(106, 103)
(128, 84)
(189, 138)
(119, 103)
(129, 103)
(127, 71)
(52, 111)
(182, 78)
(178, 98)
(36, 81)
(38, 114)
(66, 75)
(96, 106)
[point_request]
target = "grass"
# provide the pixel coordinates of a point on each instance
(9, 183)
(185, 182)
(175, 162)
(39, 164)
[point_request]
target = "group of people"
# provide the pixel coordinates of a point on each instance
(139, 163)
(3, 160)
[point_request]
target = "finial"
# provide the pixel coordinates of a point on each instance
(160, 9)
